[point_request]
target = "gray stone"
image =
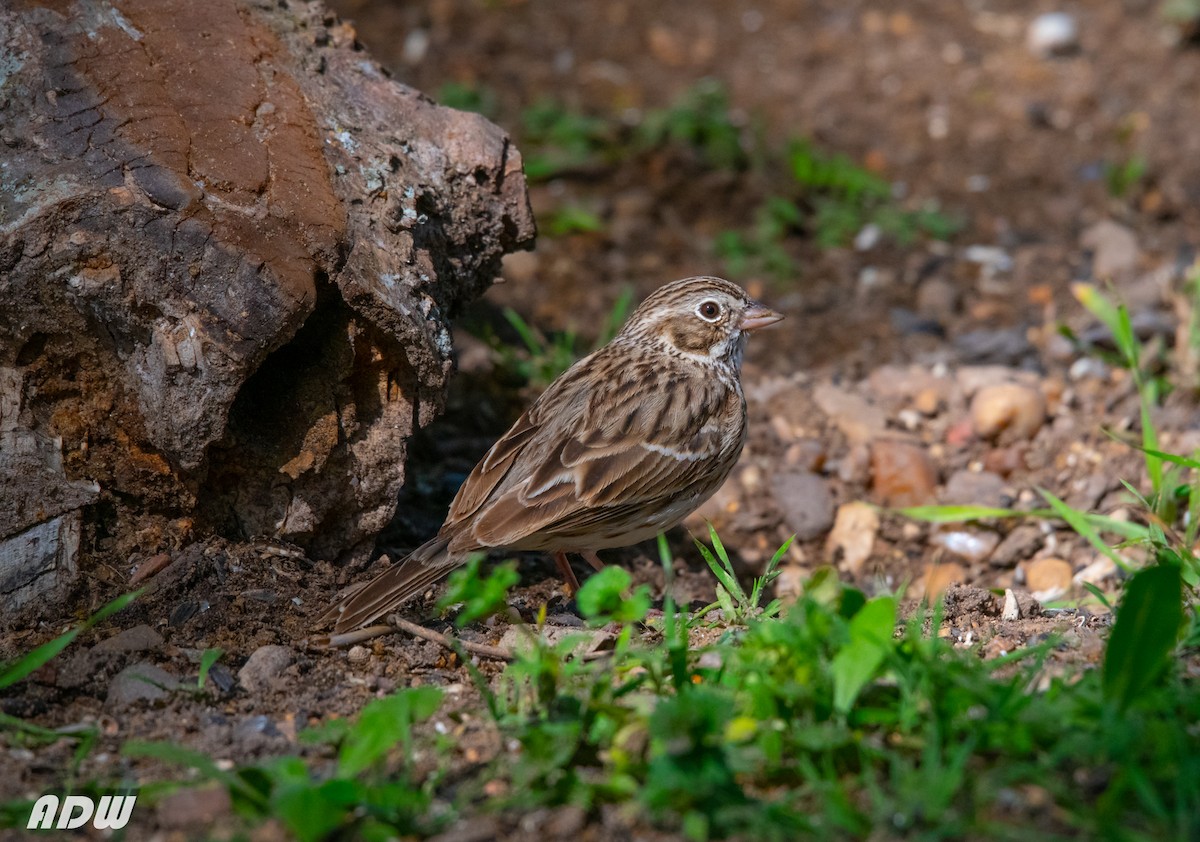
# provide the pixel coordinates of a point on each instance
(975, 488)
(857, 418)
(264, 667)
(1018, 545)
(137, 639)
(806, 503)
(1052, 34)
(140, 682)
(937, 298)
(1114, 248)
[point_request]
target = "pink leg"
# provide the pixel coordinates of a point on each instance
(568, 575)
(594, 560)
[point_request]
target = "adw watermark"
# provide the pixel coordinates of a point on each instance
(112, 811)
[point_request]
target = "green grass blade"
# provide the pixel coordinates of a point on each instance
(962, 514)
(1150, 441)
(956, 514)
(1173, 458)
(1127, 342)
(14, 672)
(524, 331)
(736, 591)
(1126, 529)
(1078, 521)
(1099, 594)
(724, 576)
(770, 574)
(616, 316)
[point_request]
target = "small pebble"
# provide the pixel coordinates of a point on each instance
(992, 259)
(858, 419)
(358, 654)
(806, 503)
(1047, 578)
(927, 401)
(853, 535)
(975, 488)
(1014, 408)
(902, 474)
(137, 639)
(1018, 545)
(939, 577)
(937, 298)
(1114, 248)
(140, 682)
(973, 546)
(868, 237)
(1052, 34)
(264, 666)
(1012, 608)
(910, 419)
(1096, 572)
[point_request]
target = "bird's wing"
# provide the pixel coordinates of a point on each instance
(421, 568)
(610, 437)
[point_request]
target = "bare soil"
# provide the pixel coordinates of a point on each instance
(881, 356)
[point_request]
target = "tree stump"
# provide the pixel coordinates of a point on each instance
(229, 245)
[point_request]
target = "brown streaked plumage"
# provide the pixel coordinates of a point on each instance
(623, 445)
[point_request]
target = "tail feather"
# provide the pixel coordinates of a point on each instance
(393, 587)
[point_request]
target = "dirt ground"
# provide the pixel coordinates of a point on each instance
(883, 385)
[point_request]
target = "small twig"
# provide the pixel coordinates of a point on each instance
(335, 641)
(396, 623)
(449, 642)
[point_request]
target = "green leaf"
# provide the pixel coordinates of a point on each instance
(482, 594)
(1144, 635)
(602, 598)
(14, 672)
(726, 603)
(871, 631)
(1078, 521)
(312, 812)
(382, 724)
(207, 659)
(573, 219)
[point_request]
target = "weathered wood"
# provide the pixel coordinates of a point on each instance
(229, 244)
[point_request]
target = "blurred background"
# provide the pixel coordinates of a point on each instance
(909, 180)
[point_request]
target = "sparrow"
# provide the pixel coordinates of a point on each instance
(621, 446)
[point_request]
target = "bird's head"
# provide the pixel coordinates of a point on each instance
(707, 319)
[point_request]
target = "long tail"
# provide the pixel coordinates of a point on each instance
(423, 567)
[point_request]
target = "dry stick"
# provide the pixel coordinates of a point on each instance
(396, 623)
(437, 637)
(335, 641)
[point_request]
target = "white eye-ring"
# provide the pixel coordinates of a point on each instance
(708, 310)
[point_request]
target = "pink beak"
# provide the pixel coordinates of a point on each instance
(757, 316)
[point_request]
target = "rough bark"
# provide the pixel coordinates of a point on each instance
(229, 244)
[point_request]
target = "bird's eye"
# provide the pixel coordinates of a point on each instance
(710, 311)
